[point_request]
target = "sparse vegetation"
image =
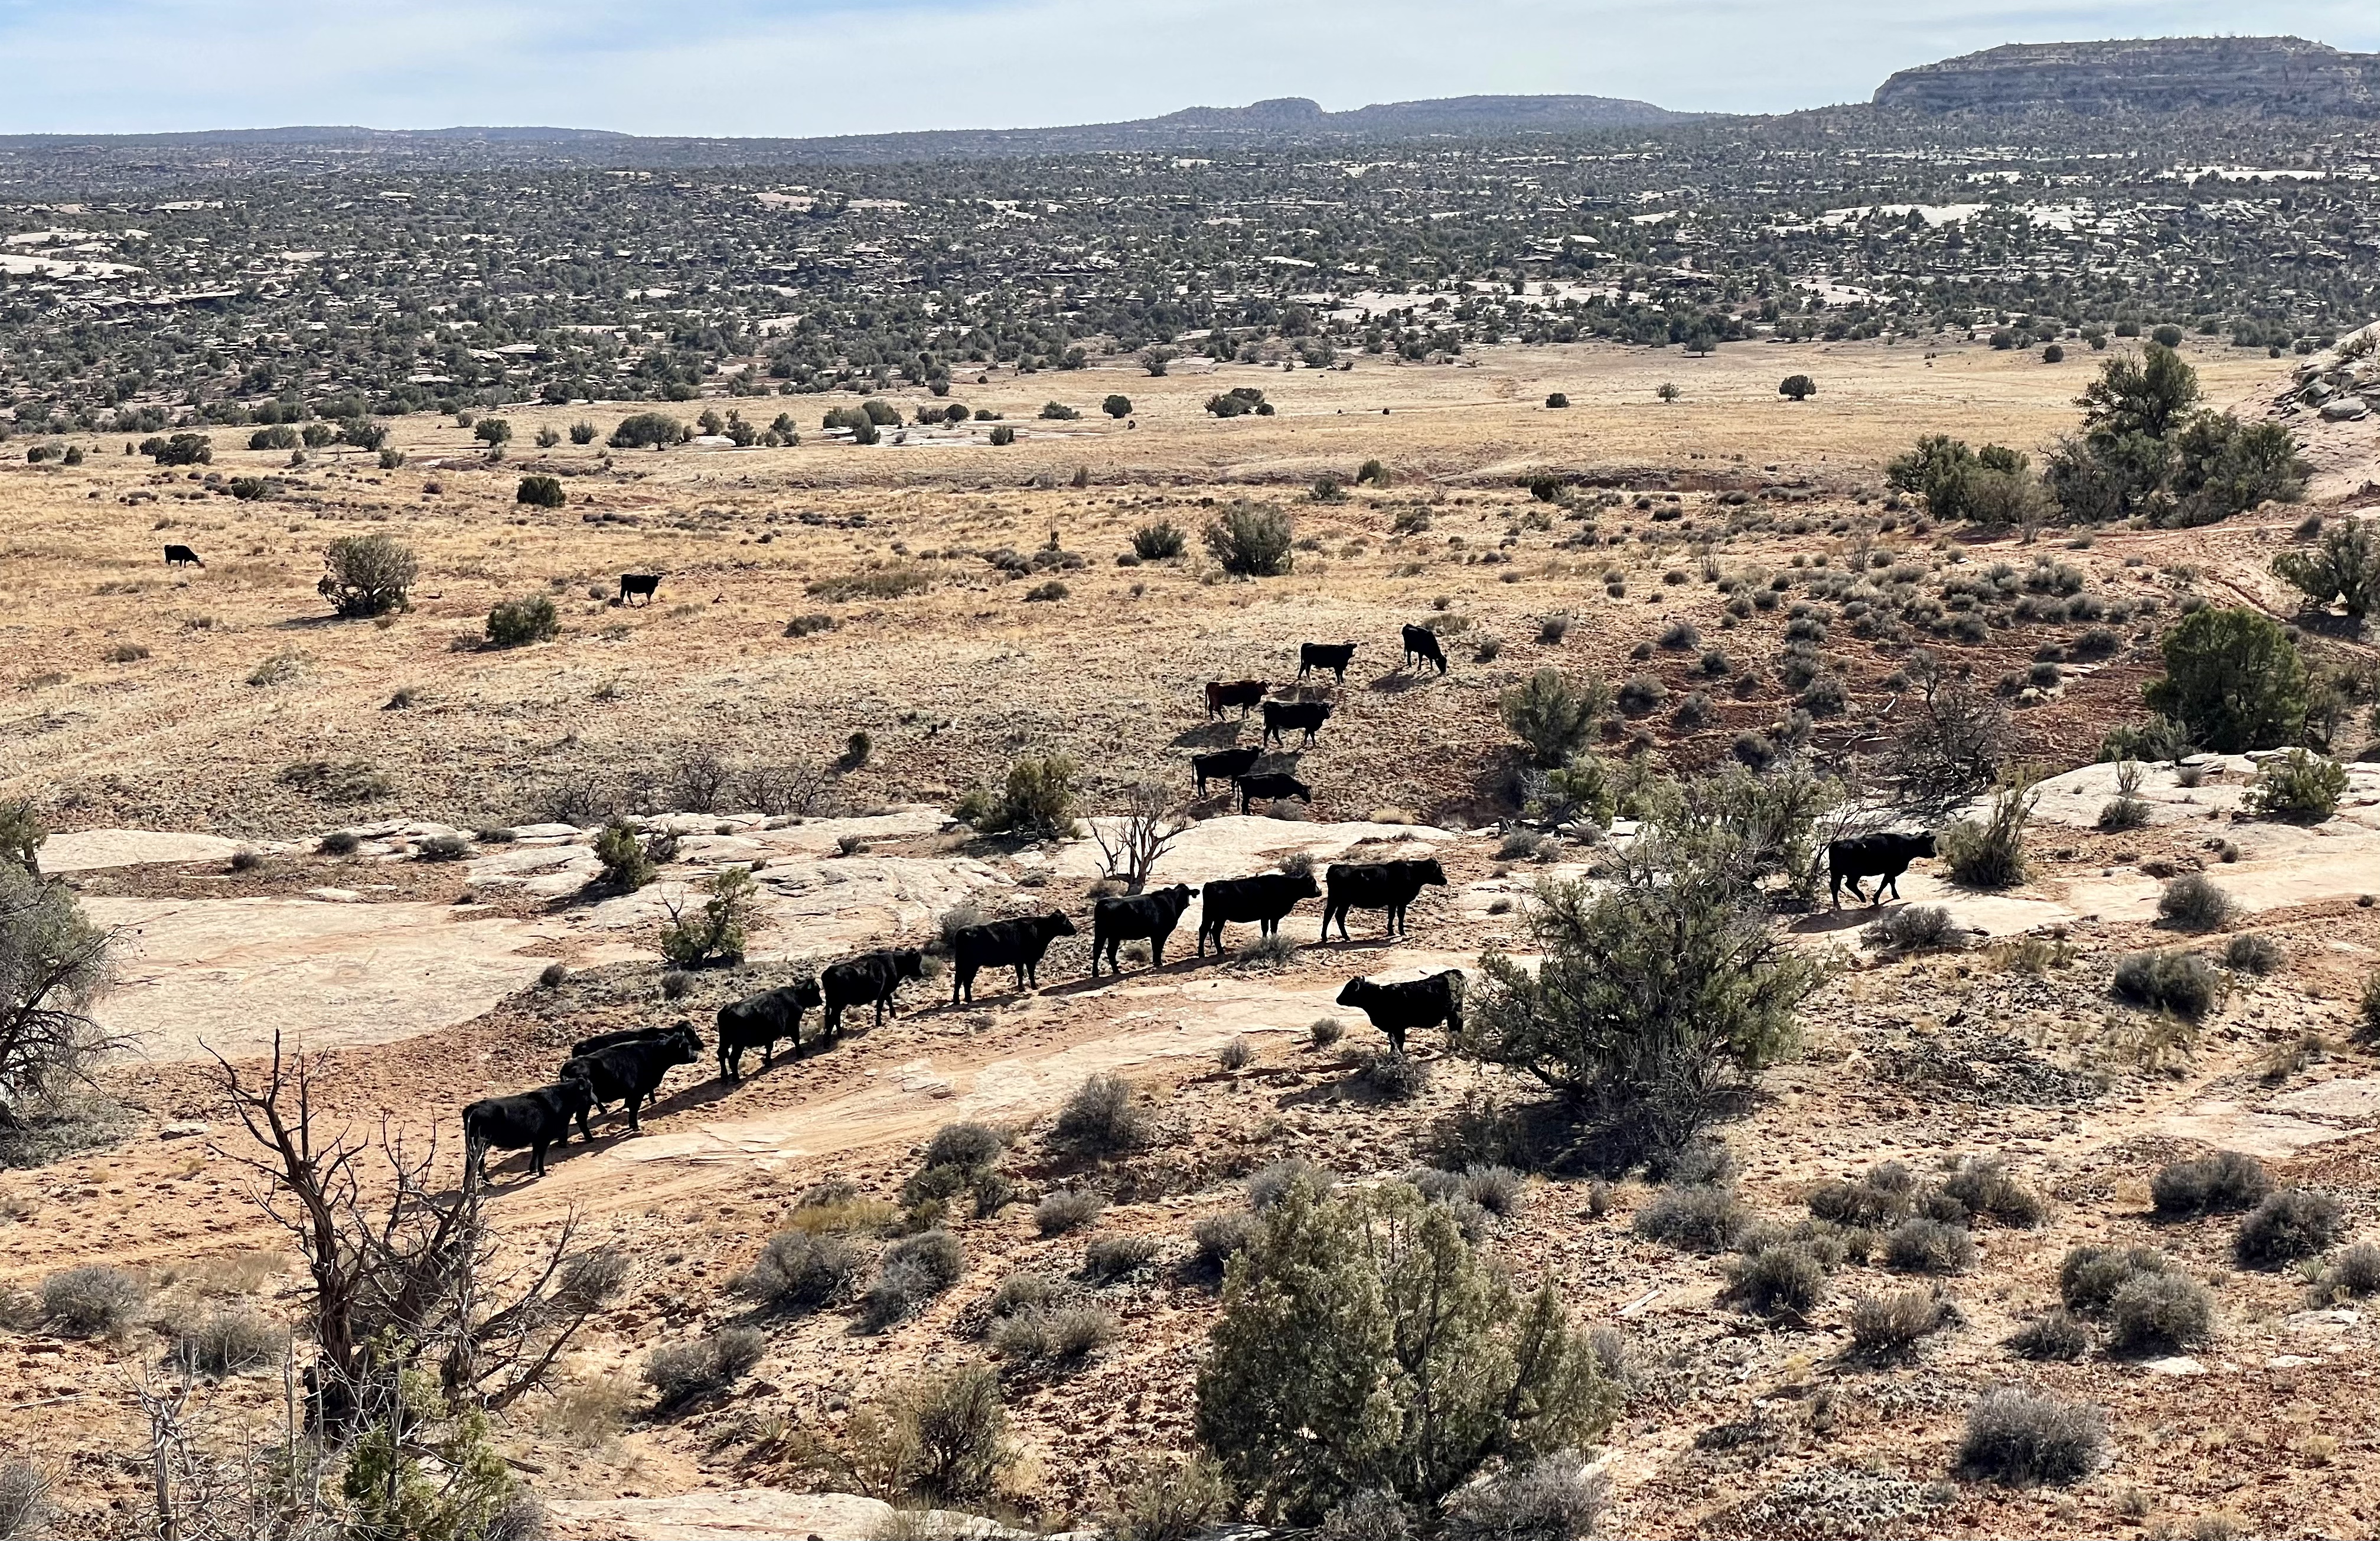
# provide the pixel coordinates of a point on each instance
(1100, 1120)
(2024, 1439)
(2193, 902)
(2298, 785)
(2292, 1224)
(2229, 1180)
(368, 574)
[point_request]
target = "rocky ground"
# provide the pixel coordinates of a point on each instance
(416, 961)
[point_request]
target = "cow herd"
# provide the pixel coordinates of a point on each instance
(628, 1067)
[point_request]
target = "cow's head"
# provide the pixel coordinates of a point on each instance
(907, 962)
(683, 1040)
(1924, 844)
(1055, 924)
(1355, 992)
(807, 992)
(1430, 873)
(1306, 887)
(571, 1093)
(1322, 710)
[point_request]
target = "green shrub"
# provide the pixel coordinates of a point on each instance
(2229, 1180)
(2251, 953)
(1057, 412)
(515, 621)
(1913, 929)
(1782, 1279)
(2173, 980)
(1983, 1186)
(1038, 797)
(1881, 1197)
(955, 1428)
(1695, 1217)
(368, 574)
(626, 866)
(681, 1373)
(1363, 1344)
(2054, 1335)
(2021, 1439)
(2233, 679)
(2193, 902)
(1889, 1327)
(582, 434)
(2298, 785)
(1554, 716)
(182, 449)
(540, 491)
(93, 1299)
(1252, 541)
(715, 932)
(2159, 1313)
(1176, 1499)
(1067, 1210)
(1554, 1497)
(915, 1269)
(1001, 436)
(1158, 541)
(1117, 407)
(801, 1271)
(1109, 1259)
(2355, 1272)
(2344, 566)
(646, 430)
(1100, 1120)
(2289, 1225)
(1921, 1245)
(1989, 852)
(2089, 1276)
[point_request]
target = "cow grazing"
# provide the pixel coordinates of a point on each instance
(182, 556)
(1262, 900)
(759, 1021)
(871, 977)
(646, 584)
(631, 1073)
(1333, 656)
(585, 1047)
(1150, 916)
(530, 1121)
(1398, 1008)
(1377, 885)
(1242, 693)
(1272, 786)
(1422, 643)
(1017, 944)
(1223, 765)
(1306, 716)
(1882, 857)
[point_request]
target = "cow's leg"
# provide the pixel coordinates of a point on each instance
(1893, 879)
(1835, 887)
(1852, 882)
(537, 1158)
(635, 1106)
(1396, 1037)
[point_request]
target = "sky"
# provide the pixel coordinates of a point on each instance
(807, 68)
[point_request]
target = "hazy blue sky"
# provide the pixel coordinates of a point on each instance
(829, 66)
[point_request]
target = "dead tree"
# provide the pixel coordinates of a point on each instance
(1140, 835)
(406, 1273)
(1952, 747)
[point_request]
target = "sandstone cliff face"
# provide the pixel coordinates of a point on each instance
(2157, 75)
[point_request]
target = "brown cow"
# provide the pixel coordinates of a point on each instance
(1242, 693)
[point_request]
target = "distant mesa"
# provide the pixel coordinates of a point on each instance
(2281, 76)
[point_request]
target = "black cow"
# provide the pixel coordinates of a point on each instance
(1306, 716)
(871, 977)
(1883, 856)
(530, 1121)
(1273, 786)
(759, 1021)
(1017, 944)
(1398, 1008)
(182, 556)
(1422, 643)
(632, 1071)
(585, 1047)
(1150, 916)
(1223, 765)
(1263, 899)
(646, 584)
(1377, 885)
(1242, 693)
(1333, 656)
